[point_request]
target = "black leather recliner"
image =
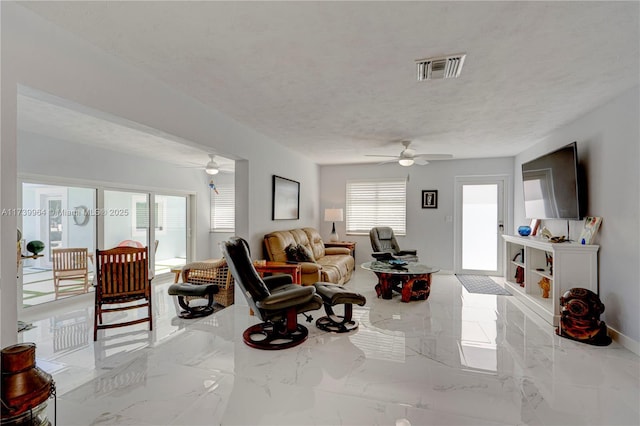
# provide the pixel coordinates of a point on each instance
(383, 240)
(275, 300)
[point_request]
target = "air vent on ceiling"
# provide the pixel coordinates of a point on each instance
(439, 68)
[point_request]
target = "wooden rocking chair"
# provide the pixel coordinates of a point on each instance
(123, 279)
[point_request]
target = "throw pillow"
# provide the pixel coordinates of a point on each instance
(292, 253)
(304, 254)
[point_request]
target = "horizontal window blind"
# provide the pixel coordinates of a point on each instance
(223, 208)
(374, 203)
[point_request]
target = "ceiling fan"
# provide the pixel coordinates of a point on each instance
(211, 168)
(408, 156)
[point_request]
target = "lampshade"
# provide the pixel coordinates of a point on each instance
(333, 215)
(406, 162)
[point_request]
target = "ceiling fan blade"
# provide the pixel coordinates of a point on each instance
(420, 161)
(387, 162)
(386, 156)
(433, 156)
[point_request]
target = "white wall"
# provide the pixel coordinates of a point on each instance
(427, 229)
(44, 156)
(41, 56)
(608, 150)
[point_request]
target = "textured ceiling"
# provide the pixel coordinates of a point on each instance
(61, 119)
(336, 80)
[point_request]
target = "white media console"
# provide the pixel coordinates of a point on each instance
(574, 265)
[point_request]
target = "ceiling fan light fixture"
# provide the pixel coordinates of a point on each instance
(211, 169)
(406, 162)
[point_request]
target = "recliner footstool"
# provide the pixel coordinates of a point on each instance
(332, 295)
(183, 290)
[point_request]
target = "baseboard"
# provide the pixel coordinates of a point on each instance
(625, 341)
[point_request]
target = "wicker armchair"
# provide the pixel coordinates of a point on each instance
(211, 273)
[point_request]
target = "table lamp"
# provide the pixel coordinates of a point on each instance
(333, 215)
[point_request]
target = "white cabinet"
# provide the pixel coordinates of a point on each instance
(573, 265)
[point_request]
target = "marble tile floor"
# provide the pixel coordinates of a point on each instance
(455, 359)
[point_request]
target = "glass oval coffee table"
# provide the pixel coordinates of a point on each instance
(411, 280)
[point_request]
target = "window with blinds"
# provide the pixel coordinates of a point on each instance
(142, 215)
(223, 208)
(372, 203)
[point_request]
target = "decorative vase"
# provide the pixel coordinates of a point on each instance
(524, 230)
(25, 388)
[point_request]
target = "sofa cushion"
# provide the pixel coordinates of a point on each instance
(336, 268)
(304, 254)
(298, 253)
(292, 252)
(314, 240)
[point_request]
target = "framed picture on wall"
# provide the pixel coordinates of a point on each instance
(286, 199)
(430, 199)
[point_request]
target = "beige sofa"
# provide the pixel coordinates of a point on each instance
(332, 264)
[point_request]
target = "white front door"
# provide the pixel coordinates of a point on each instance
(480, 216)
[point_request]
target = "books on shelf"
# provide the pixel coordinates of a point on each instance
(591, 226)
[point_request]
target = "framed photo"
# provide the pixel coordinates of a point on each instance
(286, 199)
(591, 226)
(430, 199)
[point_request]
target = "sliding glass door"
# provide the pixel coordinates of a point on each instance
(76, 217)
(170, 232)
(125, 218)
(163, 228)
(61, 217)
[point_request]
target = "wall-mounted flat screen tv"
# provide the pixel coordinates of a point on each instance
(552, 185)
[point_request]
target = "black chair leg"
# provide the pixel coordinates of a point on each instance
(336, 323)
(276, 335)
(333, 295)
(182, 290)
(190, 312)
